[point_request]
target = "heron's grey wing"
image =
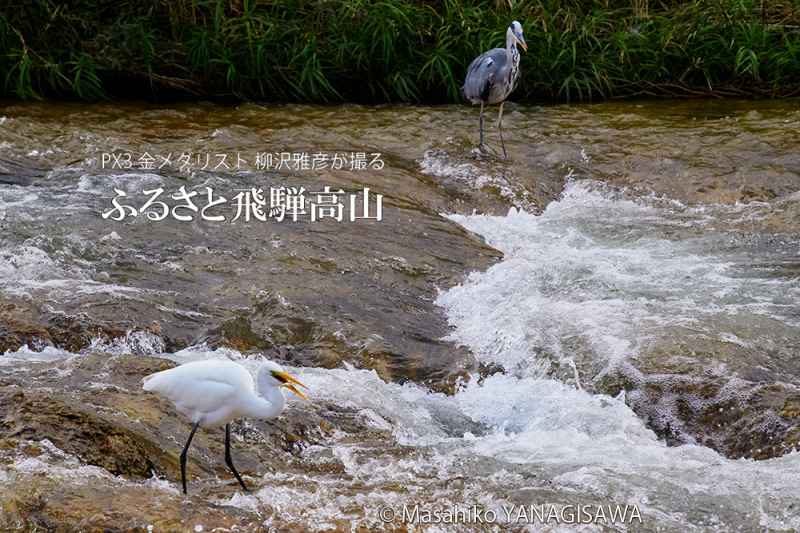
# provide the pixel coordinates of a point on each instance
(482, 73)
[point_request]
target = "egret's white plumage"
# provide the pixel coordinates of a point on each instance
(215, 392)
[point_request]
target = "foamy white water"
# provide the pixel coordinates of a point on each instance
(607, 277)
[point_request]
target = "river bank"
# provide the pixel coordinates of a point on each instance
(407, 51)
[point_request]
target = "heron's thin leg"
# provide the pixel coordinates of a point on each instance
(229, 460)
(500, 127)
(481, 126)
(184, 453)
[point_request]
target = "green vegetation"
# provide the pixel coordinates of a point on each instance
(404, 50)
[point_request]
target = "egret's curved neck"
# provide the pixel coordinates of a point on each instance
(269, 404)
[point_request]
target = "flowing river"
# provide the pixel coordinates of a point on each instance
(610, 317)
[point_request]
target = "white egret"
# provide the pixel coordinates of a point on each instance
(214, 392)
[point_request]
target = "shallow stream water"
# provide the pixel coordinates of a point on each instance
(610, 317)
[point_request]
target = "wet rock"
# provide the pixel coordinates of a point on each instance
(489, 369)
(360, 291)
(36, 502)
(80, 432)
(23, 324)
(14, 180)
(16, 330)
(81, 444)
(735, 417)
(238, 333)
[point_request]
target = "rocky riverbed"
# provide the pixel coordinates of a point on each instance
(627, 334)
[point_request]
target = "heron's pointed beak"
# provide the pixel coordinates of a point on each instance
(289, 381)
(522, 43)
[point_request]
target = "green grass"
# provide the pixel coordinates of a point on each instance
(381, 51)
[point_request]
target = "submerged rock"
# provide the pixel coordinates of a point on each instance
(22, 323)
(739, 419)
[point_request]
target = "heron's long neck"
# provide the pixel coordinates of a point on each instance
(270, 405)
(511, 47)
(511, 43)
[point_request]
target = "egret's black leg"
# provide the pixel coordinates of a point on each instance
(228, 459)
(183, 455)
(500, 127)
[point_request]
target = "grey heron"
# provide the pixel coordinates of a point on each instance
(493, 75)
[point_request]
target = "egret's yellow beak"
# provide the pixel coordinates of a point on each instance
(289, 382)
(523, 44)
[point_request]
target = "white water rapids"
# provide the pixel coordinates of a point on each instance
(608, 276)
(595, 272)
(597, 277)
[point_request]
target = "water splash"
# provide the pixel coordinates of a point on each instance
(608, 277)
